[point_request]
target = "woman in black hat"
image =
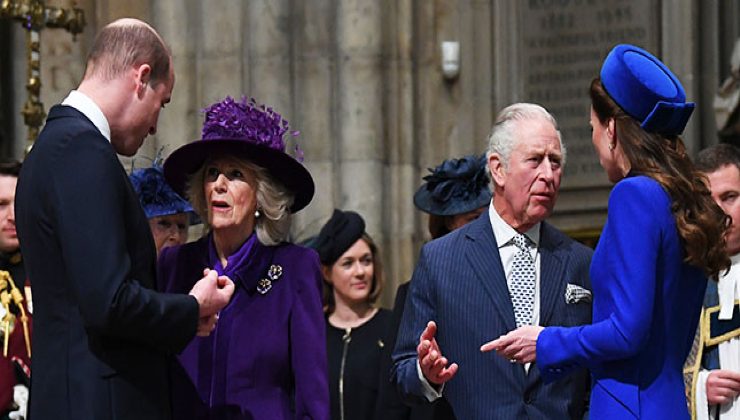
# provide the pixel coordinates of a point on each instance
(355, 329)
(266, 358)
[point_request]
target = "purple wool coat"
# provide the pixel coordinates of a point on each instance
(266, 359)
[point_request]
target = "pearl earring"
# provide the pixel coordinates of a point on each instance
(612, 146)
(256, 214)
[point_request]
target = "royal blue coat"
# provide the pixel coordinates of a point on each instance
(647, 303)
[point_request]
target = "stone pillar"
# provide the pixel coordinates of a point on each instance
(360, 146)
(177, 21)
(315, 103)
(680, 52)
(400, 228)
(268, 37)
(219, 62)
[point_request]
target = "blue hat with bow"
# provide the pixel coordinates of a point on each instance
(456, 186)
(156, 196)
(646, 90)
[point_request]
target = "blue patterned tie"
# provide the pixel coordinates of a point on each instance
(522, 284)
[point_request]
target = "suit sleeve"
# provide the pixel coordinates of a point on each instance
(632, 240)
(417, 312)
(308, 343)
(90, 199)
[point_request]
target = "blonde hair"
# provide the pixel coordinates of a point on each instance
(273, 202)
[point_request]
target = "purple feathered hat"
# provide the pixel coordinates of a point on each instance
(246, 130)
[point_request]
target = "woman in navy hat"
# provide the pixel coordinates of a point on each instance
(454, 193)
(266, 358)
(663, 237)
(169, 215)
(356, 330)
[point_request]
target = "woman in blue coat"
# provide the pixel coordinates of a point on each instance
(662, 239)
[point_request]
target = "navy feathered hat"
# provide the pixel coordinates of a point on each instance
(342, 230)
(246, 130)
(646, 90)
(156, 196)
(456, 186)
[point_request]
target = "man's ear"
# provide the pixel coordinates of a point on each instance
(143, 74)
(496, 169)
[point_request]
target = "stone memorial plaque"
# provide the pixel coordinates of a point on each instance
(562, 44)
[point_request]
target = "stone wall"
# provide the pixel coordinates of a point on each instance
(362, 81)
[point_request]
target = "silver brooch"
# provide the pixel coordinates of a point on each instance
(274, 273)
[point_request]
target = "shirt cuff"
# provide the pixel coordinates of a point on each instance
(430, 393)
(700, 395)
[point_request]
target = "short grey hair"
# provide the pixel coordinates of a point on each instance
(503, 139)
(273, 202)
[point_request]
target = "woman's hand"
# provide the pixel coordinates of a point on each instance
(519, 345)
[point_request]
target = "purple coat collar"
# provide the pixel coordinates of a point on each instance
(246, 266)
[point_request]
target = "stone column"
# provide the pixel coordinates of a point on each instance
(680, 52)
(219, 62)
(315, 104)
(360, 112)
(399, 215)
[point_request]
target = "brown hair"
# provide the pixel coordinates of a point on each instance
(715, 157)
(378, 278)
(700, 222)
(128, 43)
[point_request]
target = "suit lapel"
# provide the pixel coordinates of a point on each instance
(482, 254)
(552, 265)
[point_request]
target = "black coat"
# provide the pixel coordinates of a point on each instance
(364, 347)
(101, 334)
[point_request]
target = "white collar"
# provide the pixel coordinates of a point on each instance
(90, 109)
(727, 289)
(504, 233)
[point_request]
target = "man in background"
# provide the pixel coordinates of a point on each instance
(15, 363)
(714, 393)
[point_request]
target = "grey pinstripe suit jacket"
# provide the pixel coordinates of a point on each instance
(459, 283)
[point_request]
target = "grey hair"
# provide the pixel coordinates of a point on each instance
(502, 139)
(273, 202)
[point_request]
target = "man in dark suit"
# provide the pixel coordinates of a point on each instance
(507, 268)
(102, 336)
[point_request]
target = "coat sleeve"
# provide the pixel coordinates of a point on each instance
(90, 195)
(418, 311)
(308, 342)
(632, 238)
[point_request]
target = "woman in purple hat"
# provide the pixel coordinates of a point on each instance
(663, 237)
(266, 358)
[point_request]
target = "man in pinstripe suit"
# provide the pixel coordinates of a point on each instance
(464, 284)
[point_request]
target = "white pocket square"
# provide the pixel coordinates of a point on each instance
(575, 293)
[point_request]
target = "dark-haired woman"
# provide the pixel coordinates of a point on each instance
(662, 239)
(356, 331)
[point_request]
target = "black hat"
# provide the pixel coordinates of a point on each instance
(342, 230)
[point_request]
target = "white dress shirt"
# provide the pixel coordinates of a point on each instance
(90, 109)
